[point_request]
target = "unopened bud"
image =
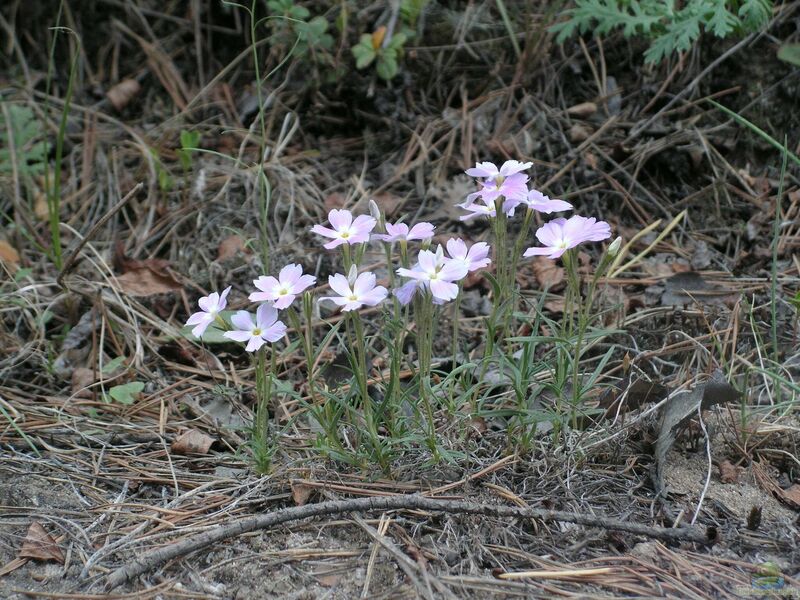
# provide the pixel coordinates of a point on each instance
(352, 275)
(374, 210)
(615, 246)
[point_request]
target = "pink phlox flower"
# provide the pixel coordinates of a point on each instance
(508, 182)
(210, 307)
(282, 291)
(355, 292)
(475, 257)
(478, 209)
(559, 235)
(345, 230)
(536, 200)
(401, 231)
(266, 327)
(437, 273)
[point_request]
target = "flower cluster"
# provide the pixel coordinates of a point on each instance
(436, 273)
(509, 185)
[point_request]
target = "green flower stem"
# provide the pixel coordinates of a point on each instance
(360, 349)
(263, 393)
(424, 314)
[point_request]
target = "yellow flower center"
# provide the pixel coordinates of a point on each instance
(283, 292)
(353, 298)
(345, 235)
(256, 332)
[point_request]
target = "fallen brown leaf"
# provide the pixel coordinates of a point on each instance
(192, 442)
(82, 378)
(547, 272)
(230, 247)
(40, 545)
(301, 492)
(728, 472)
(389, 203)
(123, 92)
(144, 282)
(334, 200)
(582, 110)
(8, 253)
(790, 495)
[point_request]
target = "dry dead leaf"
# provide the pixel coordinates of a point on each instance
(123, 92)
(40, 545)
(144, 282)
(82, 378)
(301, 492)
(143, 277)
(728, 472)
(579, 133)
(192, 442)
(334, 200)
(389, 203)
(582, 110)
(230, 247)
(8, 254)
(547, 272)
(790, 495)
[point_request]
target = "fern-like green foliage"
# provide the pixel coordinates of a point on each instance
(670, 28)
(25, 134)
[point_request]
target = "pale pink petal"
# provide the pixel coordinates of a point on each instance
(266, 315)
(411, 273)
(338, 300)
(254, 344)
(443, 290)
(421, 231)
(202, 320)
(550, 234)
(340, 219)
(374, 296)
(348, 306)
(457, 248)
(223, 298)
(266, 284)
(243, 320)
(237, 336)
(363, 284)
(363, 224)
(209, 303)
(275, 332)
(510, 167)
(324, 231)
(484, 169)
(339, 284)
(358, 237)
(427, 261)
(284, 301)
(305, 281)
(334, 244)
(261, 297)
(537, 251)
(290, 274)
(453, 271)
(406, 291)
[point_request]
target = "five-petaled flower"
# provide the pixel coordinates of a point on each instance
(475, 257)
(559, 235)
(536, 200)
(437, 273)
(401, 232)
(508, 181)
(266, 327)
(355, 292)
(210, 307)
(345, 230)
(283, 290)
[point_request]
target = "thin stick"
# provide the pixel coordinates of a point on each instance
(102, 221)
(159, 556)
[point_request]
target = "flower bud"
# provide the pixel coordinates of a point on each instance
(615, 246)
(352, 275)
(374, 211)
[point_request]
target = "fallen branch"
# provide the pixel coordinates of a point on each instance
(383, 503)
